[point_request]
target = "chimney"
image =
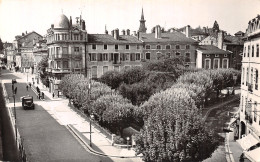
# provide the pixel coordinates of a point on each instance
(123, 32)
(220, 39)
(158, 32)
(116, 34)
(83, 25)
(127, 32)
(52, 26)
(106, 32)
(138, 35)
(80, 20)
(22, 34)
(134, 32)
(25, 32)
(187, 31)
(112, 33)
(70, 21)
(204, 29)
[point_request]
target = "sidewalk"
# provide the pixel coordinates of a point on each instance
(58, 108)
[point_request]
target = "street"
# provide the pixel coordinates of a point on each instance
(43, 137)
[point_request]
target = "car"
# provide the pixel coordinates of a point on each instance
(27, 102)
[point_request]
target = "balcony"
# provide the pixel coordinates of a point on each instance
(250, 87)
(77, 56)
(64, 70)
(61, 56)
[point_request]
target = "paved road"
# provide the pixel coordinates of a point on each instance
(44, 138)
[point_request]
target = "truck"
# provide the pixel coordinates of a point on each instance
(27, 102)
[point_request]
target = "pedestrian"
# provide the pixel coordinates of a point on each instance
(30, 85)
(241, 159)
(42, 95)
(52, 95)
(27, 87)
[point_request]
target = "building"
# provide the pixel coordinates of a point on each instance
(197, 34)
(211, 57)
(112, 52)
(169, 44)
(66, 44)
(249, 123)
(230, 43)
(142, 27)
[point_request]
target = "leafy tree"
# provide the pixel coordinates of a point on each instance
(173, 129)
(112, 79)
(216, 26)
(1, 45)
(133, 75)
(41, 68)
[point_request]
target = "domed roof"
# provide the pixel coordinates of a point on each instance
(61, 22)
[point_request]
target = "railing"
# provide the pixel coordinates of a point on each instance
(60, 70)
(116, 62)
(61, 56)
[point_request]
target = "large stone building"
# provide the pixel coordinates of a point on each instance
(112, 52)
(66, 44)
(169, 44)
(249, 125)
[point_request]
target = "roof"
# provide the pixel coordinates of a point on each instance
(166, 37)
(106, 38)
(61, 22)
(193, 32)
(210, 49)
(239, 33)
(229, 39)
(28, 34)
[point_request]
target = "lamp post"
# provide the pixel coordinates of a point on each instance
(127, 140)
(90, 130)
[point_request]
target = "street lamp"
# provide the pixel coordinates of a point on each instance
(90, 131)
(14, 93)
(127, 140)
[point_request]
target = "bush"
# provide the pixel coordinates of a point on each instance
(119, 140)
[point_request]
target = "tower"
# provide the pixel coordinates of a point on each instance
(142, 27)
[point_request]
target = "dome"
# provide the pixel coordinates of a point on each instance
(62, 22)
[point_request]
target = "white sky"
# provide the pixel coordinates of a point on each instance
(17, 16)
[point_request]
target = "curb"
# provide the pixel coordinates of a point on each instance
(75, 132)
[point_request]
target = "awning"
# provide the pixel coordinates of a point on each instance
(253, 155)
(247, 141)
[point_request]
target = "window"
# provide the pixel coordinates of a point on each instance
(94, 71)
(216, 55)
(255, 111)
(168, 47)
(77, 64)
(105, 57)
(257, 50)
(137, 47)
(159, 55)
(76, 49)
(252, 75)
(225, 55)
(177, 46)
(256, 79)
(243, 75)
(245, 52)
(105, 69)
(216, 64)
(178, 53)
(248, 51)
(137, 56)
(187, 57)
(126, 56)
(207, 63)
(93, 56)
(58, 51)
(105, 46)
(132, 57)
(253, 51)
(65, 64)
(58, 64)
(116, 46)
(242, 103)
(225, 63)
(76, 37)
(187, 46)
(207, 55)
(147, 47)
(158, 47)
(147, 56)
(116, 68)
(127, 46)
(64, 50)
(94, 46)
(247, 76)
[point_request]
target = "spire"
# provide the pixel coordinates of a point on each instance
(142, 16)
(142, 27)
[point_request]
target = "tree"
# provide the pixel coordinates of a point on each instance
(216, 26)
(1, 45)
(112, 79)
(41, 68)
(133, 75)
(173, 129)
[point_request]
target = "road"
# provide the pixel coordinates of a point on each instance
(44, 138)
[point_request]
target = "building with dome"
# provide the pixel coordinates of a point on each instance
(66, 43)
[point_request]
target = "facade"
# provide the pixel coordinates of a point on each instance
(66, 44)
(171, 44)
(112, 52)
(249, 123)
(211, 57)
(229, 43)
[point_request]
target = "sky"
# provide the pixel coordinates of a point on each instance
(18, 16)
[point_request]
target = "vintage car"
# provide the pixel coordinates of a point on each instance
(27, 102)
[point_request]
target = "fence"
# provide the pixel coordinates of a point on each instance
(16, 134)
